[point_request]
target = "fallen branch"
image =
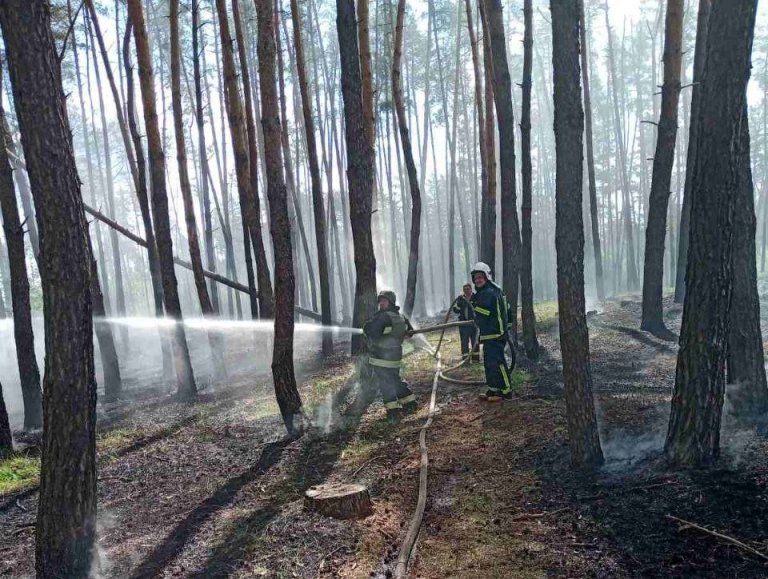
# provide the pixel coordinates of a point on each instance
(689, 525)
(366, 463)
(525, 516)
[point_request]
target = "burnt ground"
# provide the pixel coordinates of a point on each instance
(212, 488)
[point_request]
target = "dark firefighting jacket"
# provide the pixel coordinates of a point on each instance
(491, 312)
(385, 332)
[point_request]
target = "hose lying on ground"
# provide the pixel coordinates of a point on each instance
(406, 547)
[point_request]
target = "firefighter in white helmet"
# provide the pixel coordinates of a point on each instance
(493, 321)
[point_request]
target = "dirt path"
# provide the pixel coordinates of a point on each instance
(212, 489)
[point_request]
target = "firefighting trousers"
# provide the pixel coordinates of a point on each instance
(394, 390)
(468, 335)
(497, 372)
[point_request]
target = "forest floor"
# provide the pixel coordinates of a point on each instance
(213, 489)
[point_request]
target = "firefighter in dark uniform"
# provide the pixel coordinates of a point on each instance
(468, 334)
(492, 320)
(385, 332)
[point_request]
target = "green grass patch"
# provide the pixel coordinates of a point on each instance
(546, 314)
(18, 473)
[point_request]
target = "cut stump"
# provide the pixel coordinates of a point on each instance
(340, 501)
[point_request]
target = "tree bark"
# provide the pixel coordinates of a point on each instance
(185, 377)
(502, 90)
(317, 185)
(210, 254)
(366, 76)
(663, 160)
(282, 356)
(488, 205)
(694, 424)
(244, 146)
(360, 168)
(23, 334)
(214, 338)
(569, 235)
(685, 213)
(410, 165)
(747, 386)
(593, 209)
(66, 516)
(6, 438)
(530, 342)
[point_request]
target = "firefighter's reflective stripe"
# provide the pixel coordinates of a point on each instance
(408, 399)
(387, 330)
(483, 311)
(502, 325)
(507, 384)
(384, 363)
(392, 405)
(490, 337)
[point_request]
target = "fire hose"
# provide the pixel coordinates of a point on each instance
(409, 541)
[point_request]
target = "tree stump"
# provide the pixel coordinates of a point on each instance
(340, 501)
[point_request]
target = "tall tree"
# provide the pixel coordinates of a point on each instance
(66, 514)
(282, 355)
(360, 167)
(185, 377)
(593, 209)
(488, 202)
(530, 342)
(502, 90)
(245, 168)
(317, 186)
(23, 334)
(663, 160)
(6, 437)
(699, 55)
(210, 254)
(748, 389)
(694, 423)
(569, 234)
(195, 257)
(410, 164)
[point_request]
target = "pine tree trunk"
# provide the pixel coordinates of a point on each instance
(66, 515)
(244, 146)
(184, 375)
(360, 167)
(594, 219)
(488, 205)
(206, 307)
(569, 235)
(663, 160)
(282, 356)
(413, 180)
(747, 386)
(502, 88)
(694, 424)
(632, 276)
(530, 342)
(366, 76)
(317, 185)
(210, 255)
(685, 216)
(29, 373)
(6, 438)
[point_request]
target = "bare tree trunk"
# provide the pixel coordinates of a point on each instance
(214, 338)
(413, 181)
(210, 255)
(29, 373)
(694, 424)
(366, 76)
(632, 277)
(593, 209)
(282, 357)
(184, 375)
(360, 167)
(663, 160)
(685, 217)
(66, 515)
(244, 146)
(747, 386)
(569, 235)
(530, 343)
(6, 438)
(317, 185)
(488, 205)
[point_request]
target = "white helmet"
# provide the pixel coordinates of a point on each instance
(481, 267)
